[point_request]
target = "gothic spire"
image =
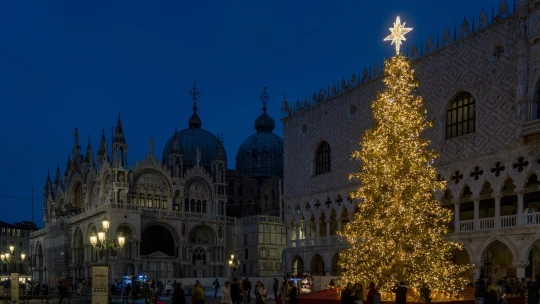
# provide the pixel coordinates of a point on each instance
(58, 177)
(194, 120)
(219, 154)
(89, 155)
(68, 166)
(48, 184)
(176, 143)
(119, 135)
(102, 152)
(76, 151)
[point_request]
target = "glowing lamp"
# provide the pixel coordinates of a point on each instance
(93, 239)
(105, 223)
(23, 256)
(121, 240)
(101, 235)
(11, 248)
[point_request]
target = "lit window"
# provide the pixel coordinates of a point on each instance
(322, 159)
(461, 116)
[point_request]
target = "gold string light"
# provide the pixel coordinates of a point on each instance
(398, 233)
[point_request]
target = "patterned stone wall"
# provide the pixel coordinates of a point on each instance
(465, 65)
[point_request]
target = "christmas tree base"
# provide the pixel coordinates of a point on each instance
(333, 296)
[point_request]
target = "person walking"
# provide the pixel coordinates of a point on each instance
(179, 295)
(168, 288)
(533, 290)
(216, 287)
(401, 293)
(275, 287)
(226, 294)
(236, 294)
(480, 291)
(63, 288)
(283, 293)
(198, 293)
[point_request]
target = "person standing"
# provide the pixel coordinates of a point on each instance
(373, 296)
(236, 295)
(261, 293)
(226, 294)
(247, 291)
(275, 287)
(401, 293)
(216, 287)
(198, 293)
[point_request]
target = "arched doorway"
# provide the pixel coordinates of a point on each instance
(297, 266)
(158, 249)
(202, 240)
(157, 238)
(317, 265)
(533, 256)
(497, 261)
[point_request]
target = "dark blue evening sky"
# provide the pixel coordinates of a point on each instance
(66, 64)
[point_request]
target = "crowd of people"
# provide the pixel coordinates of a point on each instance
(491, 292)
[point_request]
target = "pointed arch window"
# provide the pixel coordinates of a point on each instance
(322, 158)
(487, 270)
(461, 116)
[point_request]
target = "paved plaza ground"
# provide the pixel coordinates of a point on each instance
(81, 300)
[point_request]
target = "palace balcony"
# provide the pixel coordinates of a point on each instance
(501, 222)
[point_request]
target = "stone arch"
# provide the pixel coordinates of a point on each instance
(297, 265)
(202, 235)
(531, 242)
(78, 238)
(499, 243)
(164, 177)
(157, 238)
(91, 191)
(128, 230)
(165, 225)
(496, 258)
(316, 265)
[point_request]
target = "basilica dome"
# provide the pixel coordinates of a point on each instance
(192, 139)
(261, 154)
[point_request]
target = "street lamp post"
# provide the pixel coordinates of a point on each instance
(234, 263)
(101, 241)
(9, 257)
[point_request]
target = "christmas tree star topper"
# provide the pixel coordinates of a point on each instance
(398, 34)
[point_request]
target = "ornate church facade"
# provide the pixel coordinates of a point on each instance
(480, 84)
(177, 214)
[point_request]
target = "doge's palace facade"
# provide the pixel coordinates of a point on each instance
(480, 83)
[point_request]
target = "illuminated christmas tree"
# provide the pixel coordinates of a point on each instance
(397, 235)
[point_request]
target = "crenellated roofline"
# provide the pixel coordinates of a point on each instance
(374, 72)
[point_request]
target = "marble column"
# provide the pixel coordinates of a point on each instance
(317, 231)
(497, 196)
(456, 216)
(519, 213)
(520, 268)
(328, 230)
(477, 269)
(476, 222)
